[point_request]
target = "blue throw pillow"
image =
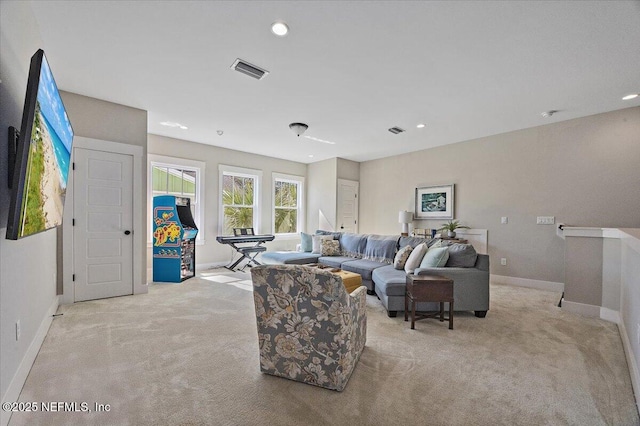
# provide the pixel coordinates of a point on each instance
(436, 257)
(306, 242)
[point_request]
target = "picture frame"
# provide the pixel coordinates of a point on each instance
(435, 202)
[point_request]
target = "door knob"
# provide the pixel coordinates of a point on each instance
(127, 232)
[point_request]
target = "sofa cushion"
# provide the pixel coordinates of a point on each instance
(415, 258)
(390, 280)
(353, 245)
(335, 235)
(334, 261)
(288, 258)
(306, 242)
(317, 243)
(436, 257)
(363, 267)
(462, 256)
(330, 248)
(380, 248)
(401, 257)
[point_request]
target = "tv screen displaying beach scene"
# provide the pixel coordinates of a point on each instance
(49, 154)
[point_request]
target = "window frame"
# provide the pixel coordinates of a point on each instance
(199, 167)
(246, 173)
(300, 226)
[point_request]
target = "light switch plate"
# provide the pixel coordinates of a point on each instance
(504, 220)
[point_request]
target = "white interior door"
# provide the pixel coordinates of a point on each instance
(348, 205)
(103, 221)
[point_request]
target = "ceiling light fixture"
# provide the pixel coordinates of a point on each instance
(320, 140)
(549, 113)
(298, 128)
(279, 28)
(174, 125)
(630, 96)
(420, 126)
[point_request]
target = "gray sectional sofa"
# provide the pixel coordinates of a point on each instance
(372, 257)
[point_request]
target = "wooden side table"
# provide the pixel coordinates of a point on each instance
(428, 288)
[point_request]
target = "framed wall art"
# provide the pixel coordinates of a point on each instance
(434, 202)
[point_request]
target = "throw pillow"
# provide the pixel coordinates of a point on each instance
(415, 258)
(435, 258)
(401, 257)
(462, 256)
(316, 247)
(306, 242)
(330, 248)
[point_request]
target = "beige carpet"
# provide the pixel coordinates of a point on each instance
(187, 355)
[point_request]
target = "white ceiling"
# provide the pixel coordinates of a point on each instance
(349, 69)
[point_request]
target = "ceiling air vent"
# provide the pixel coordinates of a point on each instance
(396, 130)
(249, 69)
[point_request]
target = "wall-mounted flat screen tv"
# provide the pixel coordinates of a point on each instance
(43, 155)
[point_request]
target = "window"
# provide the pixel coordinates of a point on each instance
(288, 214)
(239, 199)
(179, 177)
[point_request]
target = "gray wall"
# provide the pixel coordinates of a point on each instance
(348, 169)
(322, 193)
(212, 251)
(585, 172)
(98, 119)
(27, 266)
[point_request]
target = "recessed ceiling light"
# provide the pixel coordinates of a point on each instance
(630, 96)
(420, 126)
(310, 155)
(173, 124)
(279, 28)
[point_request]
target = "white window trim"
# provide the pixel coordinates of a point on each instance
(243, 172)
(301, 214)
(164, 161)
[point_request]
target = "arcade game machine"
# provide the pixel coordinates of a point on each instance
(174, 239)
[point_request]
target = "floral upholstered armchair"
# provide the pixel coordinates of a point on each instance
(309, 328)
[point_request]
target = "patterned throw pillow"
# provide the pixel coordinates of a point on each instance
(401, 257)
(330, 248)
(317, 243)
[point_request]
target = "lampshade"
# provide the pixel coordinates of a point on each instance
(405, 217)
(298, 128)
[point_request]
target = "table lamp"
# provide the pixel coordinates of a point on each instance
(405, 218)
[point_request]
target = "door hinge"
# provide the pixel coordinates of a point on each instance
(73, 277)
(73, 166)
(73, 222)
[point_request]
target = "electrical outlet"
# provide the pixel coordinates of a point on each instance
(504, 220)
(17, 330)
(503, 261)
(546, 220)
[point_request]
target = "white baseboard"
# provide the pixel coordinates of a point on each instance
(610, 315)
(592, 311)
(15, 387)
(526, 282)
(631, 362)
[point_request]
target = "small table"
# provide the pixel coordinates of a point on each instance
(428, 288)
